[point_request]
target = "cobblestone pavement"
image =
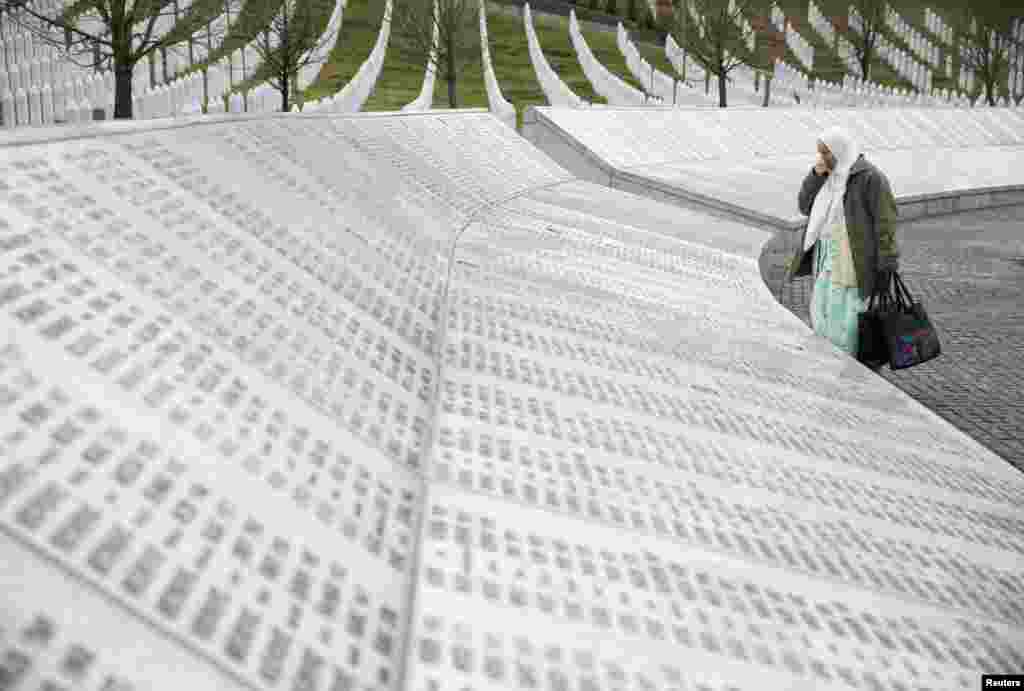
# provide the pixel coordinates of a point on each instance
(968, 269)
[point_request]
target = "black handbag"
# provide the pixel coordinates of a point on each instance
(909, 334)
(872, 346)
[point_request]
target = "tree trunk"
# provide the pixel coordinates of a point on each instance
(122, 88)
(721, 91)
(767, 91)
(452, 76)
(285, 91)
(865, 58)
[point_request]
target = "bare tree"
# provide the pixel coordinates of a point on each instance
(866, 35)
(457, 26)
(712, 33)
(986, 51)
(291, 41)
(115, 33)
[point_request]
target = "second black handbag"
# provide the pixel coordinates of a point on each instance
(909, 333)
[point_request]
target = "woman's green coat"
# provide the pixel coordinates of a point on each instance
(871, 214)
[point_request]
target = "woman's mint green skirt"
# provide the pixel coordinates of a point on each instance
(834, 310)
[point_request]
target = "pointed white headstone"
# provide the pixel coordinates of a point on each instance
(21, 106)
(46, 101)
(7, 110)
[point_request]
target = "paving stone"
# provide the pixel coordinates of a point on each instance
(966, 268)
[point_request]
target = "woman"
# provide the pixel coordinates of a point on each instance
(850, 240)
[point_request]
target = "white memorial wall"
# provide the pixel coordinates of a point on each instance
(555, 90)
(464, 421)
(655, 81)
(499, 106)
(605, 84)
(323, 46)
(354, 94)
(685, 66)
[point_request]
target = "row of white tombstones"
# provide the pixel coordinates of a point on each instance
(185, 97)
(94, 92)
(901, 61)
(855, 91)
(918, 42)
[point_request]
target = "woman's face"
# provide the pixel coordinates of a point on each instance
(826, 156)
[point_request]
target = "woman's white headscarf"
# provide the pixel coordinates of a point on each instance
(829, 202)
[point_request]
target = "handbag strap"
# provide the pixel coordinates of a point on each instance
(883, 294)
(902, 291)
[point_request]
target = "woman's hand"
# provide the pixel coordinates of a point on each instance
(820, 167)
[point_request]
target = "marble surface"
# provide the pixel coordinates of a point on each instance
(753, 160)
(318, 402)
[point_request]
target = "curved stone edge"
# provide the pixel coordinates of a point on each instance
(555, 90)
(661, 85)
(309, 73)
(606, 84)
(354, 94)
(501, 108)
